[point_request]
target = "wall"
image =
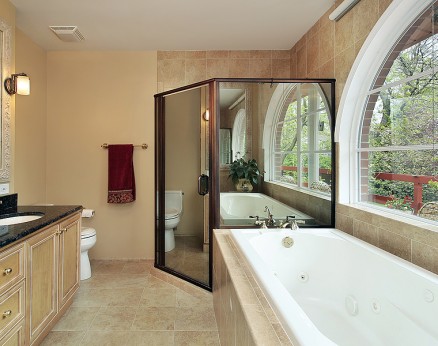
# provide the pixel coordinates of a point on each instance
(95, 98)
(30, 124)
(179, 68)
(329, 48)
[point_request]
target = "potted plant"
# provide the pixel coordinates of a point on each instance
(244, 174)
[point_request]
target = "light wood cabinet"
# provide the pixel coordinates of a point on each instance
(12, 295)
(52, 275)
(42, 280)
(69, 251)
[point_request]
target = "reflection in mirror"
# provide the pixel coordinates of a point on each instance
(225, 146)
(290, 133)
(5, 118)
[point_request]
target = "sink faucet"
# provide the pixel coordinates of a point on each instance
(270, 222)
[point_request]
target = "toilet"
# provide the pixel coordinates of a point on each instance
(88, 239)
(172, 217)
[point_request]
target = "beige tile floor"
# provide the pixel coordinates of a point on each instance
(189, 258)
(124, 304)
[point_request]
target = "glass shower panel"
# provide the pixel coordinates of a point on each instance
(186, 159)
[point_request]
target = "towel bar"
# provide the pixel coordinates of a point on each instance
(143, 146)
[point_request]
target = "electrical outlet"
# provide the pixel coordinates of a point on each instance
(4, 188)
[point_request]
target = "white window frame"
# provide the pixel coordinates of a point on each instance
(371, 57)
(273, 114)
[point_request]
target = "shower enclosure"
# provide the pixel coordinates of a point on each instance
(285, 125)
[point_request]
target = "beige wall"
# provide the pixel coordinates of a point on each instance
(329, 48)
(30, 124)
(95, 98)
(179, 68)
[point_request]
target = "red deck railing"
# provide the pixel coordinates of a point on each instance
(417, 180)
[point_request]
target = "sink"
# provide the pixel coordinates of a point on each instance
(15, 219)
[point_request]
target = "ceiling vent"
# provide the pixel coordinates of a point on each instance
(67, 33)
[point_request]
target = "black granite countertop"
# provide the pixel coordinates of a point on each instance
(52, 214)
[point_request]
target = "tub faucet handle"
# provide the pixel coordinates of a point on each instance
(261, 223)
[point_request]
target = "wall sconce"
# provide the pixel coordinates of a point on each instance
(206, 115)
(18, 83)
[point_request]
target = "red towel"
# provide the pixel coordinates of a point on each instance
(121, 181)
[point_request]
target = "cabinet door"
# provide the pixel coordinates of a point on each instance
(42, 280)
(69, 252)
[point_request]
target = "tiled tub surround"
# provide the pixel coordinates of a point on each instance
(243, 314)
(413, 240)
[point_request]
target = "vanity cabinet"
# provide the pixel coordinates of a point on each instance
(69, 252)
(42, 278)
(12, 295)
(52, 275)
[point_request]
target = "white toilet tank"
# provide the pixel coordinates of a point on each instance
(173, 200)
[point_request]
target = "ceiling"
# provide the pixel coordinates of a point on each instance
(170, 24)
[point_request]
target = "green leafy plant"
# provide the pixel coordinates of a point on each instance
(399, 203)
(241, 169)
(433, 184)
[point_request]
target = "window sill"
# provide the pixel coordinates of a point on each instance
(302, 190)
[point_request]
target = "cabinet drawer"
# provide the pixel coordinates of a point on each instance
(11, 266)
(15, 337)
(11, 307)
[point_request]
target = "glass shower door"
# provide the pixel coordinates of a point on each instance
(183, 185)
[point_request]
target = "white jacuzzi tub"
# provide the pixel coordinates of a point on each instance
(329, 288)
(237, 207)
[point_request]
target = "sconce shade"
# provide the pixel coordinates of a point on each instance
(23, 85)
(18, 83)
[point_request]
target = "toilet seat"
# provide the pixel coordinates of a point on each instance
(87, 232)
(171, 213)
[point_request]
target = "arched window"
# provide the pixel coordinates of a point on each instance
(397, 150)
(297, 138)
(393, 158)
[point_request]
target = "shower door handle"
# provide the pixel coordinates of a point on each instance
(203, 184)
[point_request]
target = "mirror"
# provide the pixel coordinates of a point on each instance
(5, 118)
(285, 128)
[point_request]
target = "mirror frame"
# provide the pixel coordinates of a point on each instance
(6, 100)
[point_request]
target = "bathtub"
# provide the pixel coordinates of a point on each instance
(237, 207)
(329, 288)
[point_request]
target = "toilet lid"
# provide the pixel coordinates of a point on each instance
(87, 232)
(171, 213)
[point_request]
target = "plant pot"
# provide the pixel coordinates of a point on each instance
(244, 185)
